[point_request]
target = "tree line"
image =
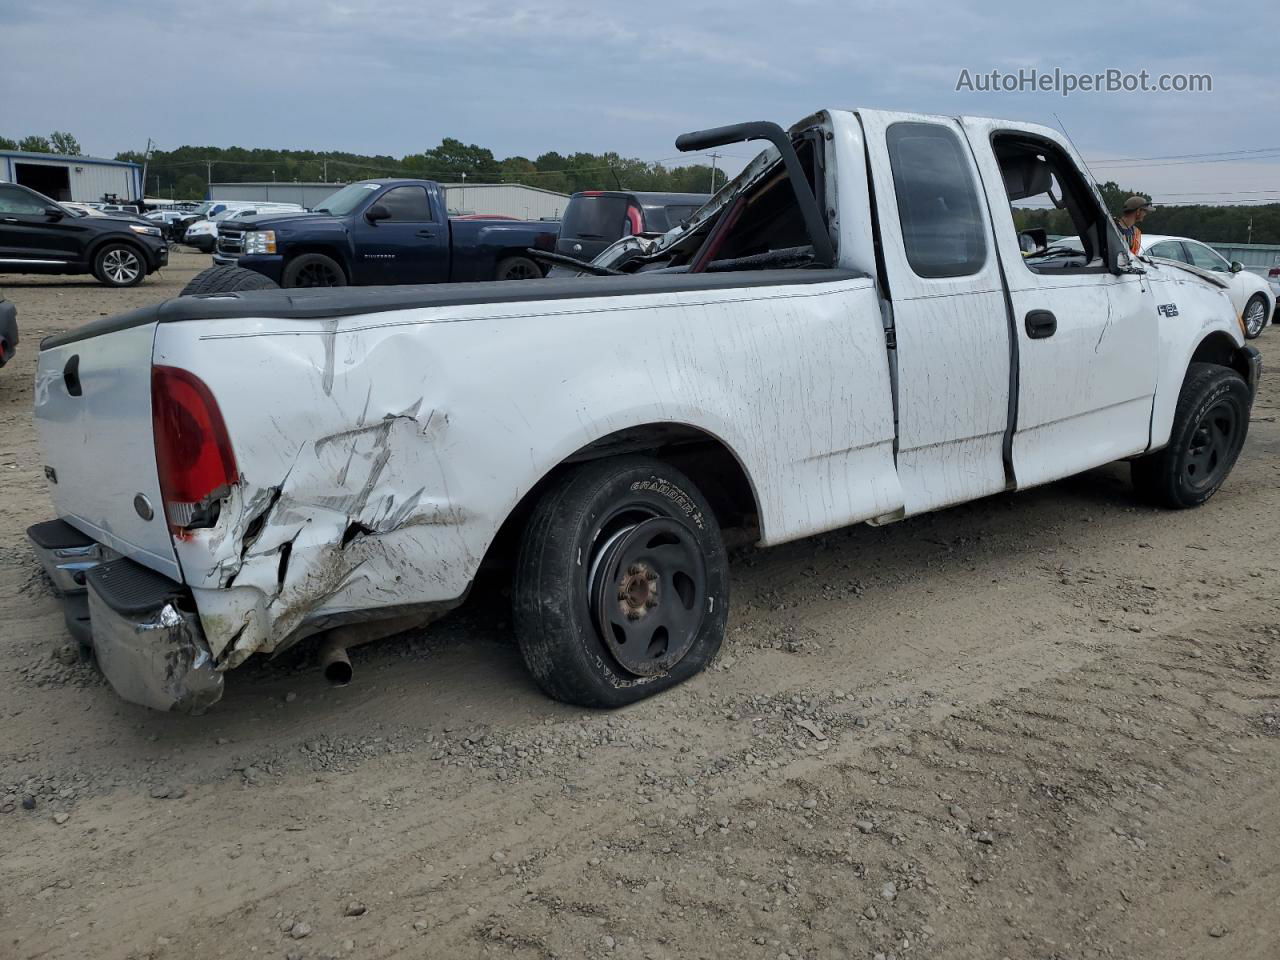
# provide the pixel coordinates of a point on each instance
(1212, 223)
(185, 173)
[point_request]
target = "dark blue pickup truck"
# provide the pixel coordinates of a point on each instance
(382, 232)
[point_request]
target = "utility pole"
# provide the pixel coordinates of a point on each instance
(146, 156)
(714, 158)
(208, 172)
(1250, 240)
(325, 167)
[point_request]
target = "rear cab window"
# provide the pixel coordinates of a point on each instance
(938, 204)
(596, 217)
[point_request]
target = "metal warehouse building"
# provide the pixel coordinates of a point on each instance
(79, 179)
(502, 199)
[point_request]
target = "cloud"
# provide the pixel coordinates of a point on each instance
(397, 76)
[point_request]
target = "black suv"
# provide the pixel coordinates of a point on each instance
(38, 235)
(594, 219)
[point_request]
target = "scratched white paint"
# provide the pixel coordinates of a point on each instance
(425, 427)
(379, 454)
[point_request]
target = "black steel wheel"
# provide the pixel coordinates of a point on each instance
(621, 585)
(313, 270)
(1255, 316)
(647, 586)
(1210, 425)
(119, 265)
(517, 268)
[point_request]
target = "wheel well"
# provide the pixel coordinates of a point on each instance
(1219, 348)
(704, 459)
(506, 252)
(101, 242)
(324, 251)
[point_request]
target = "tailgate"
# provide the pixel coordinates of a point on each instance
(93, 414)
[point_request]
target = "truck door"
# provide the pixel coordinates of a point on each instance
(949, 315)
(410, 246)
(1086, 338)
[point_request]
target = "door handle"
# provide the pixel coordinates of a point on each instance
(426, 233)
(9, 220)
(1041, 324)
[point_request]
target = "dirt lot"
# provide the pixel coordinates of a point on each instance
(1045, 725)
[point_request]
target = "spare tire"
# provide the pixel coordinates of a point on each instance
(228, 279)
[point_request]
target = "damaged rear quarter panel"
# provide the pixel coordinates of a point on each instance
(380, 453)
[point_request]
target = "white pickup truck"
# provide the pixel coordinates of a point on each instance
(848, 332)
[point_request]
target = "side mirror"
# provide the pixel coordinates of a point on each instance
(1236, 266)
(53, 213)
(1029, 241)
(377, 212)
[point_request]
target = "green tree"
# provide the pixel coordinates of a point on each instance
(64, 143)
(35, 144)
(190, 186)
(7, 144)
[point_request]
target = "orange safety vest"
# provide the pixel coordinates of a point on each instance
(1134, 238)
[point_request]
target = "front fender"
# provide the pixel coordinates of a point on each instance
(1192, 314)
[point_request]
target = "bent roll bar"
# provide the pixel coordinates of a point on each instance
(823, 253)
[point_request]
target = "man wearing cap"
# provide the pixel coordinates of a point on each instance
(1135, 211)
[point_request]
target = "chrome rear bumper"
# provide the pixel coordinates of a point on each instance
(144, 633)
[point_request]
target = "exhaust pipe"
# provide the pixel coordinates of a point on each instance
(334, 662)
(332, 654)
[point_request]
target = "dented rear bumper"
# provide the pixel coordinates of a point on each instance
(144, 633)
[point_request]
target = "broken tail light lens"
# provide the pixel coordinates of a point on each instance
(194, 459)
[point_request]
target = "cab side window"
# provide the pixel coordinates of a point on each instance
(407, 203)
(938, 206)
(1047, 192)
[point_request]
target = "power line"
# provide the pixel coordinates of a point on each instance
(1184, 156)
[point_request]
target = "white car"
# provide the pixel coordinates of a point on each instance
(1251, 295)
(203, 234)
(847, 332)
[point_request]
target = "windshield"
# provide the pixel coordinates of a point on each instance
(347, 199)
(203, 209)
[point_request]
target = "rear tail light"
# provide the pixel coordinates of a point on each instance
(194, 458)
(635, 221)
(1274, 272)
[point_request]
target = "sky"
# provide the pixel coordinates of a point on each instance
(521, 78)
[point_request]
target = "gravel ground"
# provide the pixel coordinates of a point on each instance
(1044, 725)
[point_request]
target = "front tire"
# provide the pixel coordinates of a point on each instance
(621, 587)
(119, 265)
(1210, 425)
(313, 270)
(1255, 316)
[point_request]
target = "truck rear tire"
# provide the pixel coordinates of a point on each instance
(313, 270)
(517, 268)
(227, 279)
(621, 588)
(1210, 424)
